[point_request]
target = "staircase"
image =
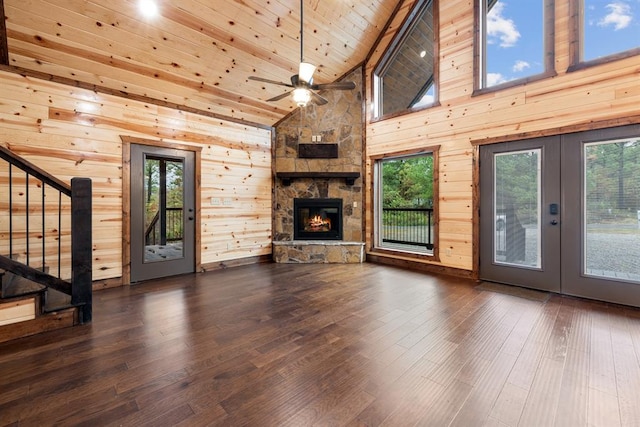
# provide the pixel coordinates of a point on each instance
(45, 250)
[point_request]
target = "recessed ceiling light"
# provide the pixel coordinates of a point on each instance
(148, 8)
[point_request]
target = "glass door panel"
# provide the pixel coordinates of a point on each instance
(611, 190)
(517, 196)
(164, 201)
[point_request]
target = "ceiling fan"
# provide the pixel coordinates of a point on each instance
(303, 88)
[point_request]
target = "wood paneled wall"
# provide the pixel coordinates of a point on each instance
(70, 132)
(595, 96)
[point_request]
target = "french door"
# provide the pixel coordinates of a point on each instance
(562, 214)
(162, 212)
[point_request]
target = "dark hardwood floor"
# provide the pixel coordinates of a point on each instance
(355, 345)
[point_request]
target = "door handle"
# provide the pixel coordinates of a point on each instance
(554, 222)
(190, 218)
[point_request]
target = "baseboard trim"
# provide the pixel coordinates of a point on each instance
(419, 266)
(221, 265)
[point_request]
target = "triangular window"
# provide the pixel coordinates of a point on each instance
(405, 78)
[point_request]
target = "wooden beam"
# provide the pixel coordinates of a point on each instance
(349, 177)
(4, 46)
(578, 127)
(122, 94)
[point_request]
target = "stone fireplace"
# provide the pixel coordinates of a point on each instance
(318, 199)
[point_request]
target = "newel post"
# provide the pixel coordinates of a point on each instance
(81, 247)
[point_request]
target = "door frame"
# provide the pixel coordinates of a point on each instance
(126, 198)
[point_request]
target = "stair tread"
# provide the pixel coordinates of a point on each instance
(56, 301)
(18, 286)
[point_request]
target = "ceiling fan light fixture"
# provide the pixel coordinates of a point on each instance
(301, 96)
(148, 8)
(305, 73)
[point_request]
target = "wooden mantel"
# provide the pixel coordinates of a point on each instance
(287, 177)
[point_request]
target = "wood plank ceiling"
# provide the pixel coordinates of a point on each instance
(196, 53)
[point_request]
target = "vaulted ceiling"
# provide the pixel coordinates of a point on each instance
(196, 53)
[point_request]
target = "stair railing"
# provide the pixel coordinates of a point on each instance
(20, 176)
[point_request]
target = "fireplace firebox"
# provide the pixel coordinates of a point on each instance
(317, 219)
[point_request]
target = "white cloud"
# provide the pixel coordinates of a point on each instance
(495, 79)
(499, 27)
(427, 99)
(520, 66)
(619, 16)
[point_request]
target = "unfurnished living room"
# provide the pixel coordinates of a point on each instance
(320, 212)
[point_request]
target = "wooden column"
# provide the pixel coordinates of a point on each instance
(81, 247)
(4, 46)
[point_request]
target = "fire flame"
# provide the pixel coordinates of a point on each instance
(317, 222)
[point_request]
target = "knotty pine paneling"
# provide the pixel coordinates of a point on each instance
(71, 132)
(194, 53)
(600, 94)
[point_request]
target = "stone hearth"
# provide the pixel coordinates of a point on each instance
(318, 251)
(319, 176)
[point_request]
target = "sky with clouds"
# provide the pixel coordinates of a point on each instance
(515, 31)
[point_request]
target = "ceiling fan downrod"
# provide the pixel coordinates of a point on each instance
(305, 70)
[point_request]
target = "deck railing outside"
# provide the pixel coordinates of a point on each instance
(172, 231)
(408, 226)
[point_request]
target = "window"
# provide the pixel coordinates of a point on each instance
(406, 198)
(515, 41)
(605, 30)
(405, 78)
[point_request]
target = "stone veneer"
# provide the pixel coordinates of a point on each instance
(340, 122)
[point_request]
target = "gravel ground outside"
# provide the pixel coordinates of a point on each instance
(613, 250)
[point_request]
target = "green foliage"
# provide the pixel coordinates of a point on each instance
(408, 182)
(517, 184)
(174, 186)
(613, 180)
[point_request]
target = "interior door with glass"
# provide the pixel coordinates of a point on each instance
(601, 233)
(520, 213)
(162, 212)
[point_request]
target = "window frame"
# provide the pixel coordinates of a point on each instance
(392, 50)
(576, 42)
(376, 162)
(479, 49)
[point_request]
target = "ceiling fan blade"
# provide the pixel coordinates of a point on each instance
(317, 99)
(279, 97)
(335, 86)
(273, 82)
